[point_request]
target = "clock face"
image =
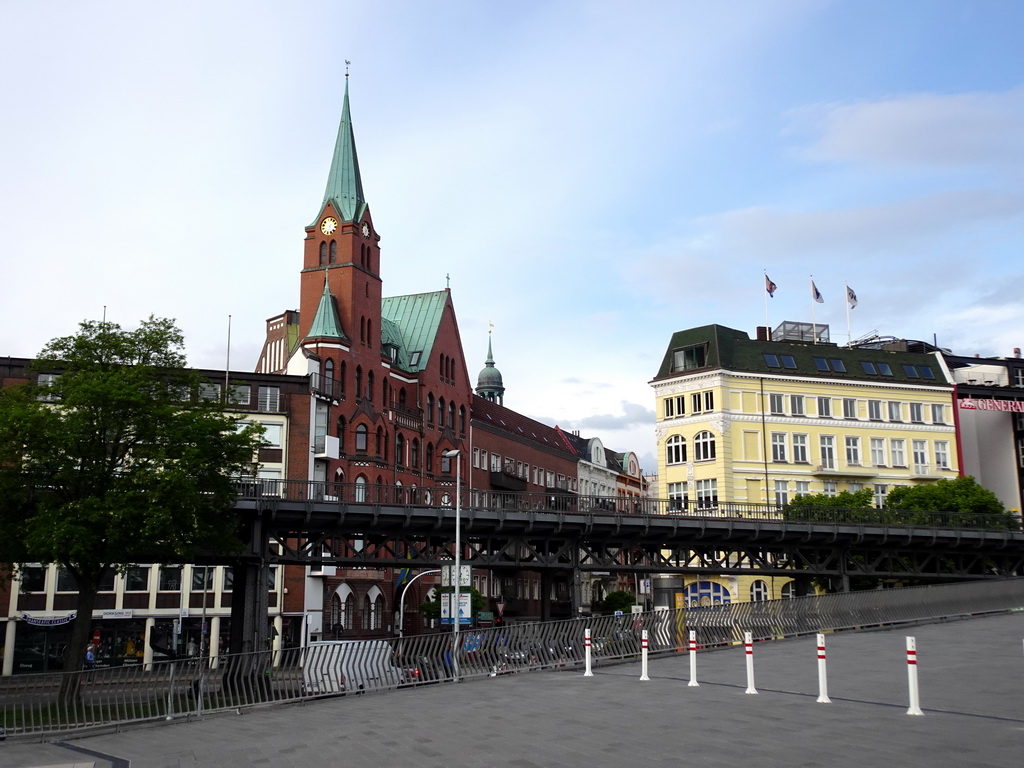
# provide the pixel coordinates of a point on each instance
(329, 225)
(366, 229)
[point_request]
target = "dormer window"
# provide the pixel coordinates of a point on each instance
(690, 358)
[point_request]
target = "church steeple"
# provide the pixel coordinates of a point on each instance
(489, 384)
(344, 187)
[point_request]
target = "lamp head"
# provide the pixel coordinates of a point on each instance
(452, 453)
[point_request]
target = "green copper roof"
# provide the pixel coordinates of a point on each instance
(344, 187)
(326, 324)
(490, 377)
(416, 318)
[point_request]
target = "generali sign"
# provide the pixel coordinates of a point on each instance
(975, 404)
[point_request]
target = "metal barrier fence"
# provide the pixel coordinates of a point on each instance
(34, 705)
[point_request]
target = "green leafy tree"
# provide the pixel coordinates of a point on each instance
(116, 461)
(619, 600)
(431, 609)
(961, 501)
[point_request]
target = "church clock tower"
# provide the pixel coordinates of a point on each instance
(341, 249)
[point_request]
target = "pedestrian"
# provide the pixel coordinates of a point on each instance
(90, 657)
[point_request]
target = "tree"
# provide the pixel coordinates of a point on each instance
(431, 609)
(619, 600)
(966, 503)
(116, 461)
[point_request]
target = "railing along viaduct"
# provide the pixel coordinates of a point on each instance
(560, 534)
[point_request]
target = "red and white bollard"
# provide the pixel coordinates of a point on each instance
(915, 700)
(586, 647)
(822, 674)
(643, 657)
(748, 643)
(693, 659)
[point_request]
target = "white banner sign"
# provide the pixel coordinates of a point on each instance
(975, 404)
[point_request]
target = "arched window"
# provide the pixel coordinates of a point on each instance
(704, 446)
(328, 382)
(789, 590)
(380, 441)
(361, 436)
(334, 252)
(323, 254)
(451, 414)
(451, 370)
(440, 411)
(359, 381)
(758, 591)
(399, 449)
(430, 408)
(414, 454)
(373, 608)
(341, 433)
(430, 458)
(362, 330)
(462, 419)
(341, 382)
(360, 488)
(341, 611)
(401, 398)
(675, 450)
(369, 334)
(369, 386)
(384, 393)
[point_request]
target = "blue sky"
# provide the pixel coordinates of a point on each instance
(592, 175)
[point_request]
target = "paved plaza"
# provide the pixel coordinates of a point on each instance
(971, 676)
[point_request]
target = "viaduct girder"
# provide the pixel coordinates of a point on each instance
(404, 536)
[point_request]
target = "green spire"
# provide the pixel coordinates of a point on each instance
(344, 187)
(325, 323)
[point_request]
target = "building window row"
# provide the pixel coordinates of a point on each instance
(882, 452)
(877, 410)
(700, 402)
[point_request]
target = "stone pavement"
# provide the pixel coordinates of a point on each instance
(971, 677)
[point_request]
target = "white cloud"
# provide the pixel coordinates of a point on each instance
(919, 131)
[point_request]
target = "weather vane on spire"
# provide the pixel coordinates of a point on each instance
(347, 62)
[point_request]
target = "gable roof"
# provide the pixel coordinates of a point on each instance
(520, 427)
(413, 321)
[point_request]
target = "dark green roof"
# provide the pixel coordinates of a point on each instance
(734, 350)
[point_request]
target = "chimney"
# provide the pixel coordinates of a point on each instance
(764, 333)
(1016, 352)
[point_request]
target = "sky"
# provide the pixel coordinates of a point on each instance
(588, 177)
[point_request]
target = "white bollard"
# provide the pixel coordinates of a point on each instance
(586, 647)
(822, 674)
(643, 657)
(915, 701)
(748, 643)
(693, 659)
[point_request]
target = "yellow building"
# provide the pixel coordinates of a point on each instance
(753, 421)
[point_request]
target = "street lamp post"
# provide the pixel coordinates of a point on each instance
(401, 602)
(453, 608)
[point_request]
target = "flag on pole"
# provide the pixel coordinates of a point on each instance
(816, 294)
(769, 286)
(851, 297)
